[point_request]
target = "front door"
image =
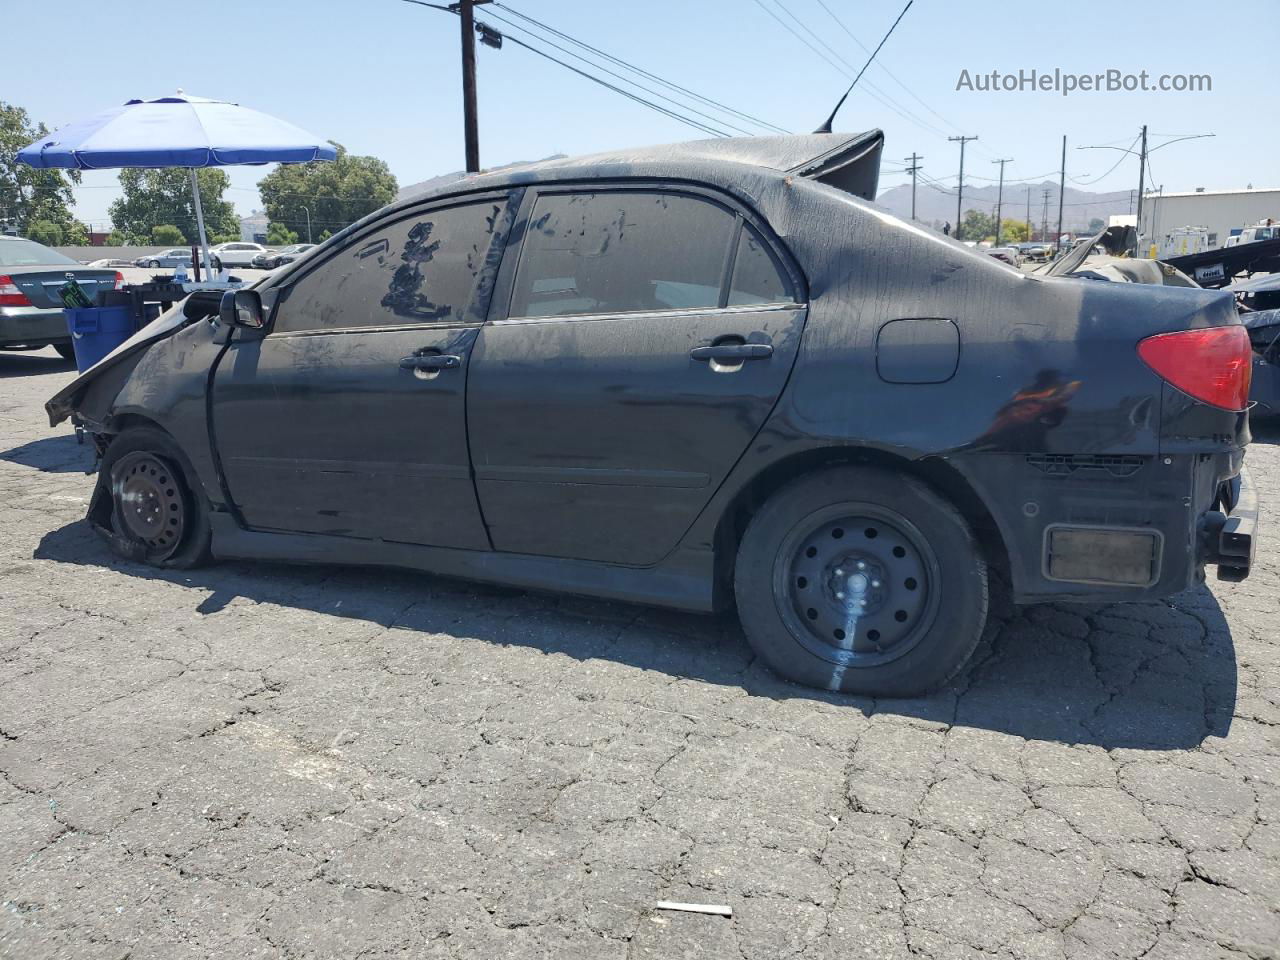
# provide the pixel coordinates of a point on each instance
(348, 417)
(648, 336)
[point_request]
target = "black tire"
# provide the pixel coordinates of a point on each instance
(159, 514)
(67, 351)
(153, 264)
(860, 580)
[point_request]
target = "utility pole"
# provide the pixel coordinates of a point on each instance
(1044, 218)
(1031, 233)
(1062, 189)
(466, 11)
(1000, 195)
(1142, 169)
(960, 184)
(1131, 201)
(915, 165)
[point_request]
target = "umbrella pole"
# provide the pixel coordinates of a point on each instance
(204, 241)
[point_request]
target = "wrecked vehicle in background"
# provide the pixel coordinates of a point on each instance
(692, 375)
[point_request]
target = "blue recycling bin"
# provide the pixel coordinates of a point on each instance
(96, 331)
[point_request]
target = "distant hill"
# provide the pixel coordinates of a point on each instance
(934, 203)
(446, 178)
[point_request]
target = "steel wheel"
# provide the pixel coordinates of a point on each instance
(149, 504)
(856, 585)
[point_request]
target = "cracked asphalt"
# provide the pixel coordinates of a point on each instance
(279, 761)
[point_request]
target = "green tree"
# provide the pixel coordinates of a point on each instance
(117, 238)
(46, 232)
(324, 235)
(28, 195)
(155, 198)
(167, 235)
(333, 194)
(278, 235)
(1014, 231)
(977, 226)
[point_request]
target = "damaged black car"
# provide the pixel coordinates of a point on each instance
(699, 375)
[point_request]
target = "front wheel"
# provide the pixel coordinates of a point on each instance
(153, 264)
(158, 513)
(863, 581)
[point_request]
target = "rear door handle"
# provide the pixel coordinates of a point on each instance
(431, 361)
(733, 352)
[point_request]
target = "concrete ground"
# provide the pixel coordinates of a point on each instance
(273, 761)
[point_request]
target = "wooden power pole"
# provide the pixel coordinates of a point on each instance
(1000, 196)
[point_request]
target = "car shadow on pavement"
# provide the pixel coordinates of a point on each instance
(1152, 676)
(61, 454)
(32, 364)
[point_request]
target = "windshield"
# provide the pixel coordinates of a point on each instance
(27, 253)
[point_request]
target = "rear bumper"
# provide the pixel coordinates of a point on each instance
(32, 326)
(1228, 538)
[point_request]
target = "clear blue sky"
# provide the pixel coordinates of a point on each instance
(382, 77)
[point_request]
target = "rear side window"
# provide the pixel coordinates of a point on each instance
(621, 252)
(757, 275)
(418, 270)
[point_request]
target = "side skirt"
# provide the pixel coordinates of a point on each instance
(684, 581)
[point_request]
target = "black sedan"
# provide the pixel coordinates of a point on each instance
(31, 275)
(694, 375)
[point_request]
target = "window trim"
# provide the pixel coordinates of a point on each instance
(511, 196)
(504, 288)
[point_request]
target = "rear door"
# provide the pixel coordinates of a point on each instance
(348, 417)
(637, 344)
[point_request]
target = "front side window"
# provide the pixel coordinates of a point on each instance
(418, 270)
(621, 252)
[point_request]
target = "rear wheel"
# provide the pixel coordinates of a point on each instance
(65, 350)
(158, 514)
(863, 581)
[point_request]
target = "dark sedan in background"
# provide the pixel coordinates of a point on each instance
(30, 309)
(271, 259)
(694, 375)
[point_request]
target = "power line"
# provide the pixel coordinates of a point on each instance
(616, 89)
(661, 96)
(642, 72)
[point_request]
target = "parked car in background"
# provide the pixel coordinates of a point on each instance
(30, 309)
(692, 375)
(271, 259)
(1036, 250)
(111, 262)
(1009, 255)
(236, 254)
(166, 258)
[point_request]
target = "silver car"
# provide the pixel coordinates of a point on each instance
(30, 309)
(166, 258)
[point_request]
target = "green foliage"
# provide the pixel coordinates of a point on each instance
(278, 235)
(28, 195)
(46, 232)
(116, 238)
(334, 194)
(976, 226)
(325, 235)
(163, 197)
(167, 235)
(1014, 231)
(216, 238)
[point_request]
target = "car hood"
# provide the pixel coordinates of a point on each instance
(181, 314)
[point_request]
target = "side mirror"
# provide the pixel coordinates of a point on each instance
(241, 308)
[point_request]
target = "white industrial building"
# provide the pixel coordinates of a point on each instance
(1221, 212)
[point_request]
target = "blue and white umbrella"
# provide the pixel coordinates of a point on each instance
(177, 131)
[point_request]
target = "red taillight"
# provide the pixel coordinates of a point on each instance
(1213, 365)
(10, 295)
(119, 279)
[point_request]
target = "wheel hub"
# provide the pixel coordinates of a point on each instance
(149, 503)
(856, 587)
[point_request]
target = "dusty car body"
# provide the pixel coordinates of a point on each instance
(689, 375)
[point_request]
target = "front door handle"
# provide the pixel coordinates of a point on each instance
(430, 361)
(733, 352)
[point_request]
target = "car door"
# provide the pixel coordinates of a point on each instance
(636, 345)
(348, 417)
